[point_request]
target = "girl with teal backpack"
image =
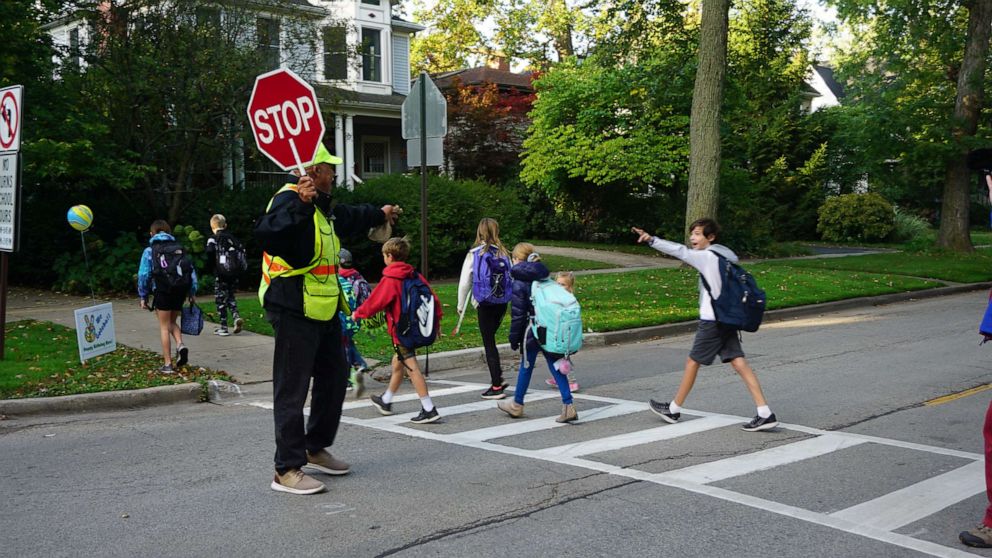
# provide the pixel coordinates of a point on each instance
(543, 319)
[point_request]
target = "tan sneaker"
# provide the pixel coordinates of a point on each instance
(325, 463)
(979, 537)
(296, 482)
(568, 414)
(511, 408)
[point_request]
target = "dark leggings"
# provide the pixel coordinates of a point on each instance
(490, 316)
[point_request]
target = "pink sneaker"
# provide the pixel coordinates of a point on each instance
(551, 382)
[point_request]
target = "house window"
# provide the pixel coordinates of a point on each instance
(335, 53)
(371, 54)
(371, 2)
(268, 42)
(75, 55)
(375, 156)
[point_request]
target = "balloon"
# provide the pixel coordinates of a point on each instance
(80, 217)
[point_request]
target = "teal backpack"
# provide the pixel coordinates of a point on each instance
(557, 324)
(348, 325)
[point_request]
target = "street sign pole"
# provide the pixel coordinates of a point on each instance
(423, 173)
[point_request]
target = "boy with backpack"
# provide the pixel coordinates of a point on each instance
(166, 271)
(356, 291)
(413, 315)
(227, 256)
(717, 334)
(544, 317)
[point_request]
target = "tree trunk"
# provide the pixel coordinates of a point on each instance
(704, 120)
(967, 109)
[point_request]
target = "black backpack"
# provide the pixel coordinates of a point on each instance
(741, 304)
(230, 259)
(172, 269)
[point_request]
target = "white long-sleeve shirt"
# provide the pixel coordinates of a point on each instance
(705, 262)
(465, 281)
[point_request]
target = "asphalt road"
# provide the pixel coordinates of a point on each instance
(861, 466)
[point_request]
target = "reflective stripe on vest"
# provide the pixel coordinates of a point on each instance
(321, 291)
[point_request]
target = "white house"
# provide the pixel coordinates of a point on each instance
(822, 90)
(359, 96)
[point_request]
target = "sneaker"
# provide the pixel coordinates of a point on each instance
(495, 392)
(568, 414)
(325, 463)
(551, 382)
(358, 382)
(661, 409)
(238, 324)
(979, 537)
(426, 416)
(166, 369)
(511, 408)
(222, 331)
(183, 356)
(573, 386)
(758, 423)
(296, 481)
(384, 408)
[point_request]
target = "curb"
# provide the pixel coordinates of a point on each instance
(102, 401)
(449, 360)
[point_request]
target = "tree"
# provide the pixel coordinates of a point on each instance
(704, 121)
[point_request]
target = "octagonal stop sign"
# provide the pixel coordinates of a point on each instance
(285, 119)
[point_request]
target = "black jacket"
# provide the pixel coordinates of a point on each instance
(212, 243)
(286, 231)
(521, 309)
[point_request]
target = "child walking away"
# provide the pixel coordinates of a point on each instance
(227, 256)
(413, 315)
(486, 276)
(712, 337)
(567, 280)
(166, 271)
(529, 275)
(356, 291)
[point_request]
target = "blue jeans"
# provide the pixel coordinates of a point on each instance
(351, 353)
(531, 348)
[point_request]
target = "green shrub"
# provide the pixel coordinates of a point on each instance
(455, 208)
(909, 228)
(855, 217)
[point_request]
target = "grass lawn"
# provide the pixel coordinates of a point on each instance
(41, 359)
(777, 250)
(565, 263)
(613, 301)
(947, 266)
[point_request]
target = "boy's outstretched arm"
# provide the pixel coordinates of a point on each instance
(695, 258)
(375, 303)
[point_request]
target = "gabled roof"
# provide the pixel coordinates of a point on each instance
(485, 74)
(340, 96)
(827, 74)
(404, 25)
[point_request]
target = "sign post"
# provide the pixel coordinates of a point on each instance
(11, 113)
(285, 119)
(425, 117)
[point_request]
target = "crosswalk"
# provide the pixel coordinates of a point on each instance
(877, 518)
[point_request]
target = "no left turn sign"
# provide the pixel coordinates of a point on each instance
(10, 118)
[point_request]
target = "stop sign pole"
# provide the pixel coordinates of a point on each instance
(285, 119)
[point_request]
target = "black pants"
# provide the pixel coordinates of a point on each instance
(305, 349)
(224, 289)
(490, 316)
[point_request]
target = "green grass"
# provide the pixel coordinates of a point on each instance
(41, 359)
(613, 301)
(947, 266)
(979, 238)
(632, 248)
(565, 263)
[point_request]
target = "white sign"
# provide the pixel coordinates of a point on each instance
(435, 110)
(10, 118)
(95, 331)
(8, 201)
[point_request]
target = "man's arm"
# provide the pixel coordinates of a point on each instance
(354, 219)
(286, 229)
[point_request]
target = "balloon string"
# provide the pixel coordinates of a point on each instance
(86, 259)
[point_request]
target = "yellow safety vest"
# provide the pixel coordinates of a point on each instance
(321, 291)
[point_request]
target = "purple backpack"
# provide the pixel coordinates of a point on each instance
(491, 281)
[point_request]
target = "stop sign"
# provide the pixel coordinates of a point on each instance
(285, 118)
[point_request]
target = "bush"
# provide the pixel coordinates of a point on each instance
(455, 208)
(856, 217)
(909, 228)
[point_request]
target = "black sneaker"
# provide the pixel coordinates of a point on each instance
(426, 416)
(384, 408)
(758, 423)
(661, 409)
(495, 392)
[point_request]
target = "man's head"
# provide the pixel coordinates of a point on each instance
(218, 222)
(702, 233)
(321, 169)
(396, 249)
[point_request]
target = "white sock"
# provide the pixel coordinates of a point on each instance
(426, 403)
(387, 397)
(764, 411)
(673, 408)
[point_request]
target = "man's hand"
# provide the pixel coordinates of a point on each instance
(306, 189)
(642, 235)
(392, 212)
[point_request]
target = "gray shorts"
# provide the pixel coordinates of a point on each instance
(712, 340)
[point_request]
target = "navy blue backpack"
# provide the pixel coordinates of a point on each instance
(419, 321)
(741, 303)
